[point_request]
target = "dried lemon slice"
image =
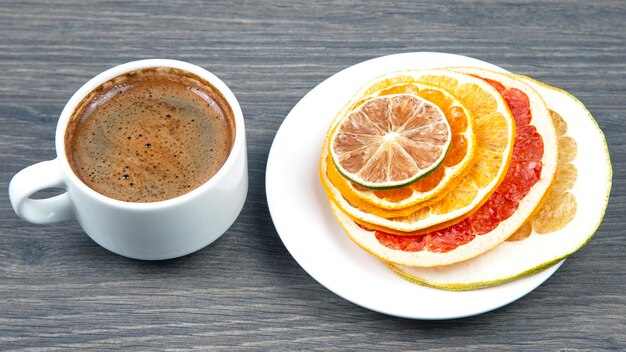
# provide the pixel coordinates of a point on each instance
(495, 134)
(390, 141)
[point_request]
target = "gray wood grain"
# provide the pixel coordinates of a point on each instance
(59, 290)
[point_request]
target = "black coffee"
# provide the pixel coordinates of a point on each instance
(150, 135)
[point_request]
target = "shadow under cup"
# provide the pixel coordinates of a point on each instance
(155, 217)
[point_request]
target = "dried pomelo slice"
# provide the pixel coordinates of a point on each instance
(495, 133)
(403, 201)
(532, 171)
(390, 141)
(533, 252)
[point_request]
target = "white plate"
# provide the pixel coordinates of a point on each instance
(300, 211)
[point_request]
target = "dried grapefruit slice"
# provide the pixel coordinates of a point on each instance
(535, 252)
(403, 201)
(503, 213)
(495, 134)
(390, 141)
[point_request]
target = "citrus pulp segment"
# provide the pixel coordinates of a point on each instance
(559, 205)
(495, 133)
(403, 201)
(533, 252)
(390, 141)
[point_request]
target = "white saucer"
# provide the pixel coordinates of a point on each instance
(304, 222)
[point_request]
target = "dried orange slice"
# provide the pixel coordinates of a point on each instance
(495, 134)
(390, 141)
(403, 201)
(590, 187)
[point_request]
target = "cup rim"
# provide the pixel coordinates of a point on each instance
(93, 83)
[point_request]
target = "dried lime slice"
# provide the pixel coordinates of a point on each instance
(390, 141)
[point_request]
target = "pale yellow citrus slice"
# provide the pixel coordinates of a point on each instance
(495, 133)
(403, 201)
(590, 186)
(390, 141)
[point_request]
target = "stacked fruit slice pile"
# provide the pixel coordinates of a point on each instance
(463, 178)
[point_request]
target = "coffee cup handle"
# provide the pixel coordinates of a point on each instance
(46, 174)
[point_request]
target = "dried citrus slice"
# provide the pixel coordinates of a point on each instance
(532, 171)
(403, 201)
(390, 141)
(495, 134)
(533, 251)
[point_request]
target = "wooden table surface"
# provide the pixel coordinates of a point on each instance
(59, 290)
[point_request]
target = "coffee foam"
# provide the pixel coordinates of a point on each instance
(150, 135)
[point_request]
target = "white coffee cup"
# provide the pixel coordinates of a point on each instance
(158, 230)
